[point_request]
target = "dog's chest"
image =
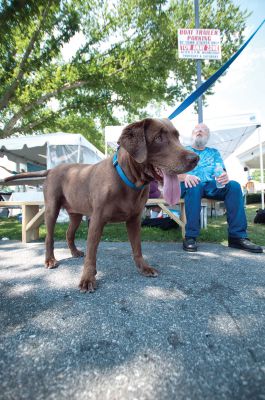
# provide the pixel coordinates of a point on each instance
(125, 209)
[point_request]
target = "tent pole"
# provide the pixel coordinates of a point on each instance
(48, 156)
(106, 145)
(79, 150)
(18, 171)
(261, 170)
(198, 62)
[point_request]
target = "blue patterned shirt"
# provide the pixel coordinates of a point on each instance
(209, 157)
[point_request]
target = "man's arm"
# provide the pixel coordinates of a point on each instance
(223, 179)
(189, 180)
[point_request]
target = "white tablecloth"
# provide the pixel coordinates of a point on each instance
(27, 196)
(24, 196)
(32, 196)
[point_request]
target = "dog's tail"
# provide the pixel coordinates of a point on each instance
(37, 174)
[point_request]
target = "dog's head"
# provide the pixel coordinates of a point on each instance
(155, 144)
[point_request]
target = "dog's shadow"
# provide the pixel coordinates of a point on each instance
(67, 261)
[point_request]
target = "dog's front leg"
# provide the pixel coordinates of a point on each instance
(88, 278)
(134, 233)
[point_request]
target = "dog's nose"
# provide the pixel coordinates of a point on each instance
(192, 158)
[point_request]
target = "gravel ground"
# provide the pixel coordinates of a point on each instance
(195, 332)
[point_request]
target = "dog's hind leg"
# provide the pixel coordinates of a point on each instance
(134, 232)
(88, 278)
(75, 220)
(51, 213)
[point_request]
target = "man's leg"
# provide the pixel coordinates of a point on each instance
(237, 222)
(192, 198)
(236, 216)
(232, 196)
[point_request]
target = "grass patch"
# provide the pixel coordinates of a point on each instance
(216, 231)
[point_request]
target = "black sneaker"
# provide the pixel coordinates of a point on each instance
(189, 244)
(244, 244)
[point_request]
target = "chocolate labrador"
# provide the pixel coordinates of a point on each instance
(114, 190)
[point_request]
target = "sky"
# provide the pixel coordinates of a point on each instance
(242, 89)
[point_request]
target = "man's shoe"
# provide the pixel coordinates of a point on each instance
(189, 244)
(244, 244)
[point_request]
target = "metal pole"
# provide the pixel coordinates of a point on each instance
(198, 62)
(79, 150)
(261, 169)
(106, 145)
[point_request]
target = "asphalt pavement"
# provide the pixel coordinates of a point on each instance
(197, 331)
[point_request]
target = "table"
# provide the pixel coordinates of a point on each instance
(29, 196)
(181, 221)
(32, 217)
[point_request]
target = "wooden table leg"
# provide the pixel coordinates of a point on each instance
(204, 215)
(28, 213)
(183, 217)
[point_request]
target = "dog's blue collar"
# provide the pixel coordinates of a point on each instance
(122, 174)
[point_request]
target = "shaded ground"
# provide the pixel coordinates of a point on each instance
(195, 332)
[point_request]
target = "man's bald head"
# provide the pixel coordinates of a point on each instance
(200, 136)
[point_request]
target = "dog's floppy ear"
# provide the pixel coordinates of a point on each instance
(133, 140)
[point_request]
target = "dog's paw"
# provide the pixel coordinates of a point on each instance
(149, 272)
(51, 263)
(87, 285)
(78, 253)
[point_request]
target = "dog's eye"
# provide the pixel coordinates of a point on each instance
(158, 138)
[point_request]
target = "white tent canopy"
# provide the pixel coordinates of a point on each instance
(227, 140)
(227, 134)
(50, 149)
(254, 157)
(251, 157)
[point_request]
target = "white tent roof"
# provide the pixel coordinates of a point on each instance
(34, 148)
(227, 134)
(251, 157)
(229, 139)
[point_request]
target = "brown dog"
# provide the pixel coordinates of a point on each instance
(149, 149)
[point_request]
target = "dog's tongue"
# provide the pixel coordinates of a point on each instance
(171, 189)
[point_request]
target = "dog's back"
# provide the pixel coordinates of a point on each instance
(80, 188)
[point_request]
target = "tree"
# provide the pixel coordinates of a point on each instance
(127, 58)
(256, 174)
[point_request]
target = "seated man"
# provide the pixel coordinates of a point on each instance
(200, 183)
(154, 193)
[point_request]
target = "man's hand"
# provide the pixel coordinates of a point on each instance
(191, 180)
(223, 178)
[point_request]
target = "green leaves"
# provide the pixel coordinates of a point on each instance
(122, 56)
